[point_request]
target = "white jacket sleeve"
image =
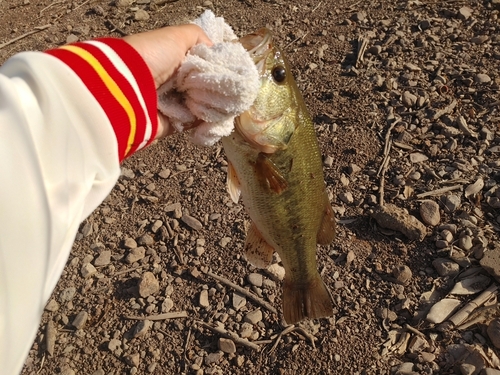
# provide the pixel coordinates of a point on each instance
(59, 158)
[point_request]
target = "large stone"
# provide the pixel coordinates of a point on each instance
(442, 310)
(429, 212)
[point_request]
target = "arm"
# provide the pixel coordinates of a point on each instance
(68, 117)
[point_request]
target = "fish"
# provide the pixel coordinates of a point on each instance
(275, 166)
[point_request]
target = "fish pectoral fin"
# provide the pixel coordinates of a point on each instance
(233, 183)
(258, 252)
(306, 300)
(326, 232)
(269, 174)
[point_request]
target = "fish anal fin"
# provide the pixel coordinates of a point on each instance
(258, 252)
(326, 232)
(269, 175)
(233, 183)
(306, 300)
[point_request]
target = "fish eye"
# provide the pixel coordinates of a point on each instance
(279, 73)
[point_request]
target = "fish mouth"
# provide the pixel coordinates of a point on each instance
(258, 44)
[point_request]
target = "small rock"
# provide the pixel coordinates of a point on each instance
(156, 226)
(67, 294)
(465, 242)
(127, 174)
(103, 259)
(427, 357)
(213, 358)
(246, 330)
(67, 371)
(392, 217)
(203, 301)
(471, 285)
(429, 211)
(402, 274)
(417, 157)
(328, 162)
(132, 359)
(71, 38)
(141, 15)
(489, 370)
(493, 331)
(442, 310)
(224, 241)
(80, 320)
(405, 368)
(474, 188)
(491, 262)
(446, 267)
(417, 344)
(376, 50)
(165, 173)
(167, 305)
(141, 328)
(464, 13)
(114, 344)
(359, 16)
(148, 284)
(253, 317)
(227, 345)
(467, 369)
(52, 306)
(482, 78)
(88, 270)
(353, 169)
(385, 313)
(276, 271)
(129, 243)
(255, 279)
(409, 100)
(135, 255)
(192, 222)
(451, 203)
(346, 197)
(480, 39)
(145, 240)
(238, 301)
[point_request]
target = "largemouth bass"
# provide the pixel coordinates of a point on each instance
(275, 165)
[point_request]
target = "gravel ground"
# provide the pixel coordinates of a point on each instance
(405, 100)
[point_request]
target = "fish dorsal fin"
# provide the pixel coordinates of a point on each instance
(258, 252)
(269, 174)
(233, 183)
(326, 232)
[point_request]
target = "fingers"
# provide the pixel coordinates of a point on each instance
(165, 128)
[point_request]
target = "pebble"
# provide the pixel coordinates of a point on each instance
(132, 359)
(203, 300)
(88, 270)
(480, 39)
(409, 100)
(114, 344)
(346, 197)
(80, 320)
(442, 310)
(404, 368)
(71, 38)
(471, 285)
(67, 294)
(141, 328)
(353, 169)
(213, 358)
(427, 357)
(167, 305)
(429, 212)
(482, 78)
(148, 284)
(224, 241)
(129, 243)
(135, 255)
(465, 13)
(67, 371)
(328, 162)
(255, 279)
(191, 222)
(375, 50)
(227, 345)
(491, 262)
(165, 173)
(402, 274)
(359, 16)
(127, 174)
(385, 313)
(465, 242)
(417, 157)
(246, 330)
(474, 188)
(145, 240)
(451, 203)
(141, 15)
(490, 371)
(103, 259)
(156, 226)
(276, 271)
(392, 217)
(238, 301)
(253, 317)
(52, 306)
(445, 267)
(417, 344)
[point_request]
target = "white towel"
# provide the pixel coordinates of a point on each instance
(214, 84)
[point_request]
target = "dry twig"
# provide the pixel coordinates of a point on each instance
(171, 315)
(229, 335)
(34, 31)
(243, 291)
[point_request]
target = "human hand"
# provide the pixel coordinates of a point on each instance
(164, 50)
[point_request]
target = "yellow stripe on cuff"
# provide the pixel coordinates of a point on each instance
(112, 87)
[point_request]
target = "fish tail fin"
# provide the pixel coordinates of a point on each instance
(306, 300)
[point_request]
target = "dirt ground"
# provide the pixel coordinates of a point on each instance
(421, 57)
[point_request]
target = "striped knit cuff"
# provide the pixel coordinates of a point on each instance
(119, 79)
